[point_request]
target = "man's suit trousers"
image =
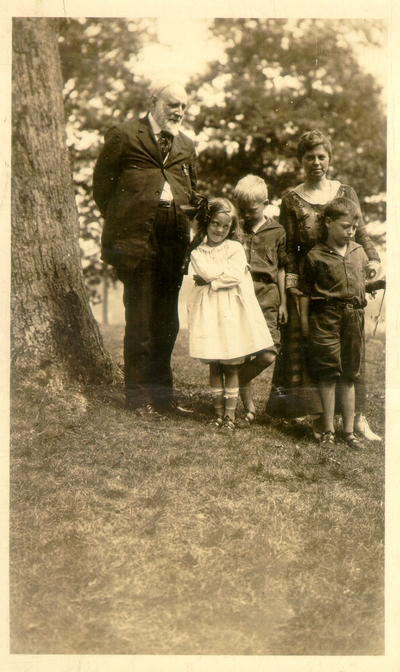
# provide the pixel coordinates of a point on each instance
(151, 313)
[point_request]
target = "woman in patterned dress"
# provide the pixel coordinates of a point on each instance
(293, 393)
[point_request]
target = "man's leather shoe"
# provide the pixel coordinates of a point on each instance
(148, 412)
(174, 408)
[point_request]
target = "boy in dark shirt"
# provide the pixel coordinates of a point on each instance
(332, 315)
(265, 241)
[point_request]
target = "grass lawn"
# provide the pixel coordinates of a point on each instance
(176, 539)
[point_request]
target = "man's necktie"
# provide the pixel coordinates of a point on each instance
(165, 142)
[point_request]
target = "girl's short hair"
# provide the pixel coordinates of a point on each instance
(311, 139)
(216, 206)
(340, 207)
(251, 188)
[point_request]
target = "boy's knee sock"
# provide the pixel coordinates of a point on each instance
(231, 397)
(218, 400)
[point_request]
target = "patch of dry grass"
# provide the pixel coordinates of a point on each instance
(176, 539)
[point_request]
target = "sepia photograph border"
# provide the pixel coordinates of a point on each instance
(390, 662)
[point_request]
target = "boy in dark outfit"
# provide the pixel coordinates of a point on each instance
(265, 241)
(332, 315)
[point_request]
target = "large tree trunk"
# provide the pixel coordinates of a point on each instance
(53, 329)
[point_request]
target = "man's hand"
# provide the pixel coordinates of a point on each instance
(200, 281)
(374, 269)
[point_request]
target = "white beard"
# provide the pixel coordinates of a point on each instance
(173, 127)
(164, 123)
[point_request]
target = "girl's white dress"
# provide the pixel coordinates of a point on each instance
(224, 317)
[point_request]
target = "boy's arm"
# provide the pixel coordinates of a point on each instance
(282, 310)
(304, 311)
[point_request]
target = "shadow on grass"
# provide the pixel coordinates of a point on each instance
(176, 539)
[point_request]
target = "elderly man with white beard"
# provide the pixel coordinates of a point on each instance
(146, 171)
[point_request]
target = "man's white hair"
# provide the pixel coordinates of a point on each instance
(159, 85)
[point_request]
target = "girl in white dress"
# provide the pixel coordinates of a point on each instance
(224, 317)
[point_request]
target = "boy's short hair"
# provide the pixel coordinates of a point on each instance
(251, 188)
(340, 207)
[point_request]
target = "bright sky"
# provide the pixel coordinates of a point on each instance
(185, 48)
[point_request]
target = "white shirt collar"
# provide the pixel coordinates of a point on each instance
(155, 127)
(258, 226)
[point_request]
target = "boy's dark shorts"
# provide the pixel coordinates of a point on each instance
(268, 297)
(335, 340)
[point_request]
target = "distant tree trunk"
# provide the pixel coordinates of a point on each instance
(53, 329)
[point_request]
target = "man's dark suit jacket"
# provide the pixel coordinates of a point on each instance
(127, 184)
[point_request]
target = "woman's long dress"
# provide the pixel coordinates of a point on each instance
(293, 393)
(225, 320)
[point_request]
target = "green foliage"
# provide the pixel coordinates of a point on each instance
(280, 78)
(99, 58)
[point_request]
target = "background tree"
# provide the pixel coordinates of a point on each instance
(54, 334)
(280, 78)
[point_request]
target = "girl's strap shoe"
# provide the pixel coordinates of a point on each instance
(228, 424)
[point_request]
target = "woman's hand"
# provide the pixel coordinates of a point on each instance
(283, 314)
(296, 293)
(200, 281)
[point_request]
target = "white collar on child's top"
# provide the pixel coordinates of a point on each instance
(209, 248)
(258, 226)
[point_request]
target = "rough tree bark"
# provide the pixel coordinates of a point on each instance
(53, 329)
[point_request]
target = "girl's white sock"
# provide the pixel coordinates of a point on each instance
(218, 400)
(231, 397)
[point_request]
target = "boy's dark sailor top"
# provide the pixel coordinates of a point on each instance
(329, 275)
(265, 250)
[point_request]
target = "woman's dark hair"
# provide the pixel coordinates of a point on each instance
(216, 206)
(339, 207)
(311, 139)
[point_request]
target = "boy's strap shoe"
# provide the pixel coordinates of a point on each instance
(327, 439)
(353, 441)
